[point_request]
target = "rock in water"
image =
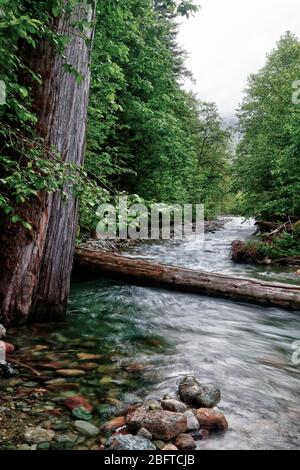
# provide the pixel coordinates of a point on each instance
(192, 422)
(86, 429)
(185, 442)
(78, 401)
(88, 357)
(174, 405)
(211, 419)
(129, 442)
(80, 413)
(114, 424)
(164, 425)
(2, 331)
(37, 435)
(203, 396)
(70, 372)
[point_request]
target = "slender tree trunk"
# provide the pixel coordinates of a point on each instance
(36, 267)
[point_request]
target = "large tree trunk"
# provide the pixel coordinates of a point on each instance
(146, 273)
(36, 268)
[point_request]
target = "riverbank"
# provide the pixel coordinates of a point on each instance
(210, 226)
(277, 245)
(48, 408)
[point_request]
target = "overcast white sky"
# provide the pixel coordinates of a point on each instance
(229, 39)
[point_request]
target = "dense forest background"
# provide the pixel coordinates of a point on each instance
(146, 135)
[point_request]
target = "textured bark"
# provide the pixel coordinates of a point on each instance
(36, 268)
(186, 280)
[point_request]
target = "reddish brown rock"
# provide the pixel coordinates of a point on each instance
(123, 430)
(185, 442)
(9, 348)
(76, 402)
(114, 424)
(211, 419)
(162, 424)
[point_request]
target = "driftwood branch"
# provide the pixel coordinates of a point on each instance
(146, 273)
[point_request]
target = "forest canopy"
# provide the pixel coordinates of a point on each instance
(146, 135)
(267, 168)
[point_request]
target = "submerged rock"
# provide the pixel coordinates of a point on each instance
(43, 446)
(88, 357)
(164, 425)
(185, 442)
(86, 429)
(211, 419)
(114, 424)
(194, 393)
(81, 414)
(106, 411)
(70, 372)
(78, 402)
(37, 434)
(129, 442)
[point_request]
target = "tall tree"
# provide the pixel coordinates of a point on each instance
(267, 168)
(36, 265)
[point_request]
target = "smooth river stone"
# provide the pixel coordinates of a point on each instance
(164, 425)
(78, 402)
(70, 372)
(88, 357)
(211, 419)
(86, 429)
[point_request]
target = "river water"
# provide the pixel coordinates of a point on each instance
(150, 338)
(245, 349)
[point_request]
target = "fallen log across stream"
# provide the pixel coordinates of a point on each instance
(146, 273)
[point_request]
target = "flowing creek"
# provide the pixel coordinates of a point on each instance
(149, 338)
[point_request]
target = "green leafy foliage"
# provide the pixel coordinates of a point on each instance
(267, 169)
(283, 246)
(147, 137)
(27, 167)
(145, 134)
